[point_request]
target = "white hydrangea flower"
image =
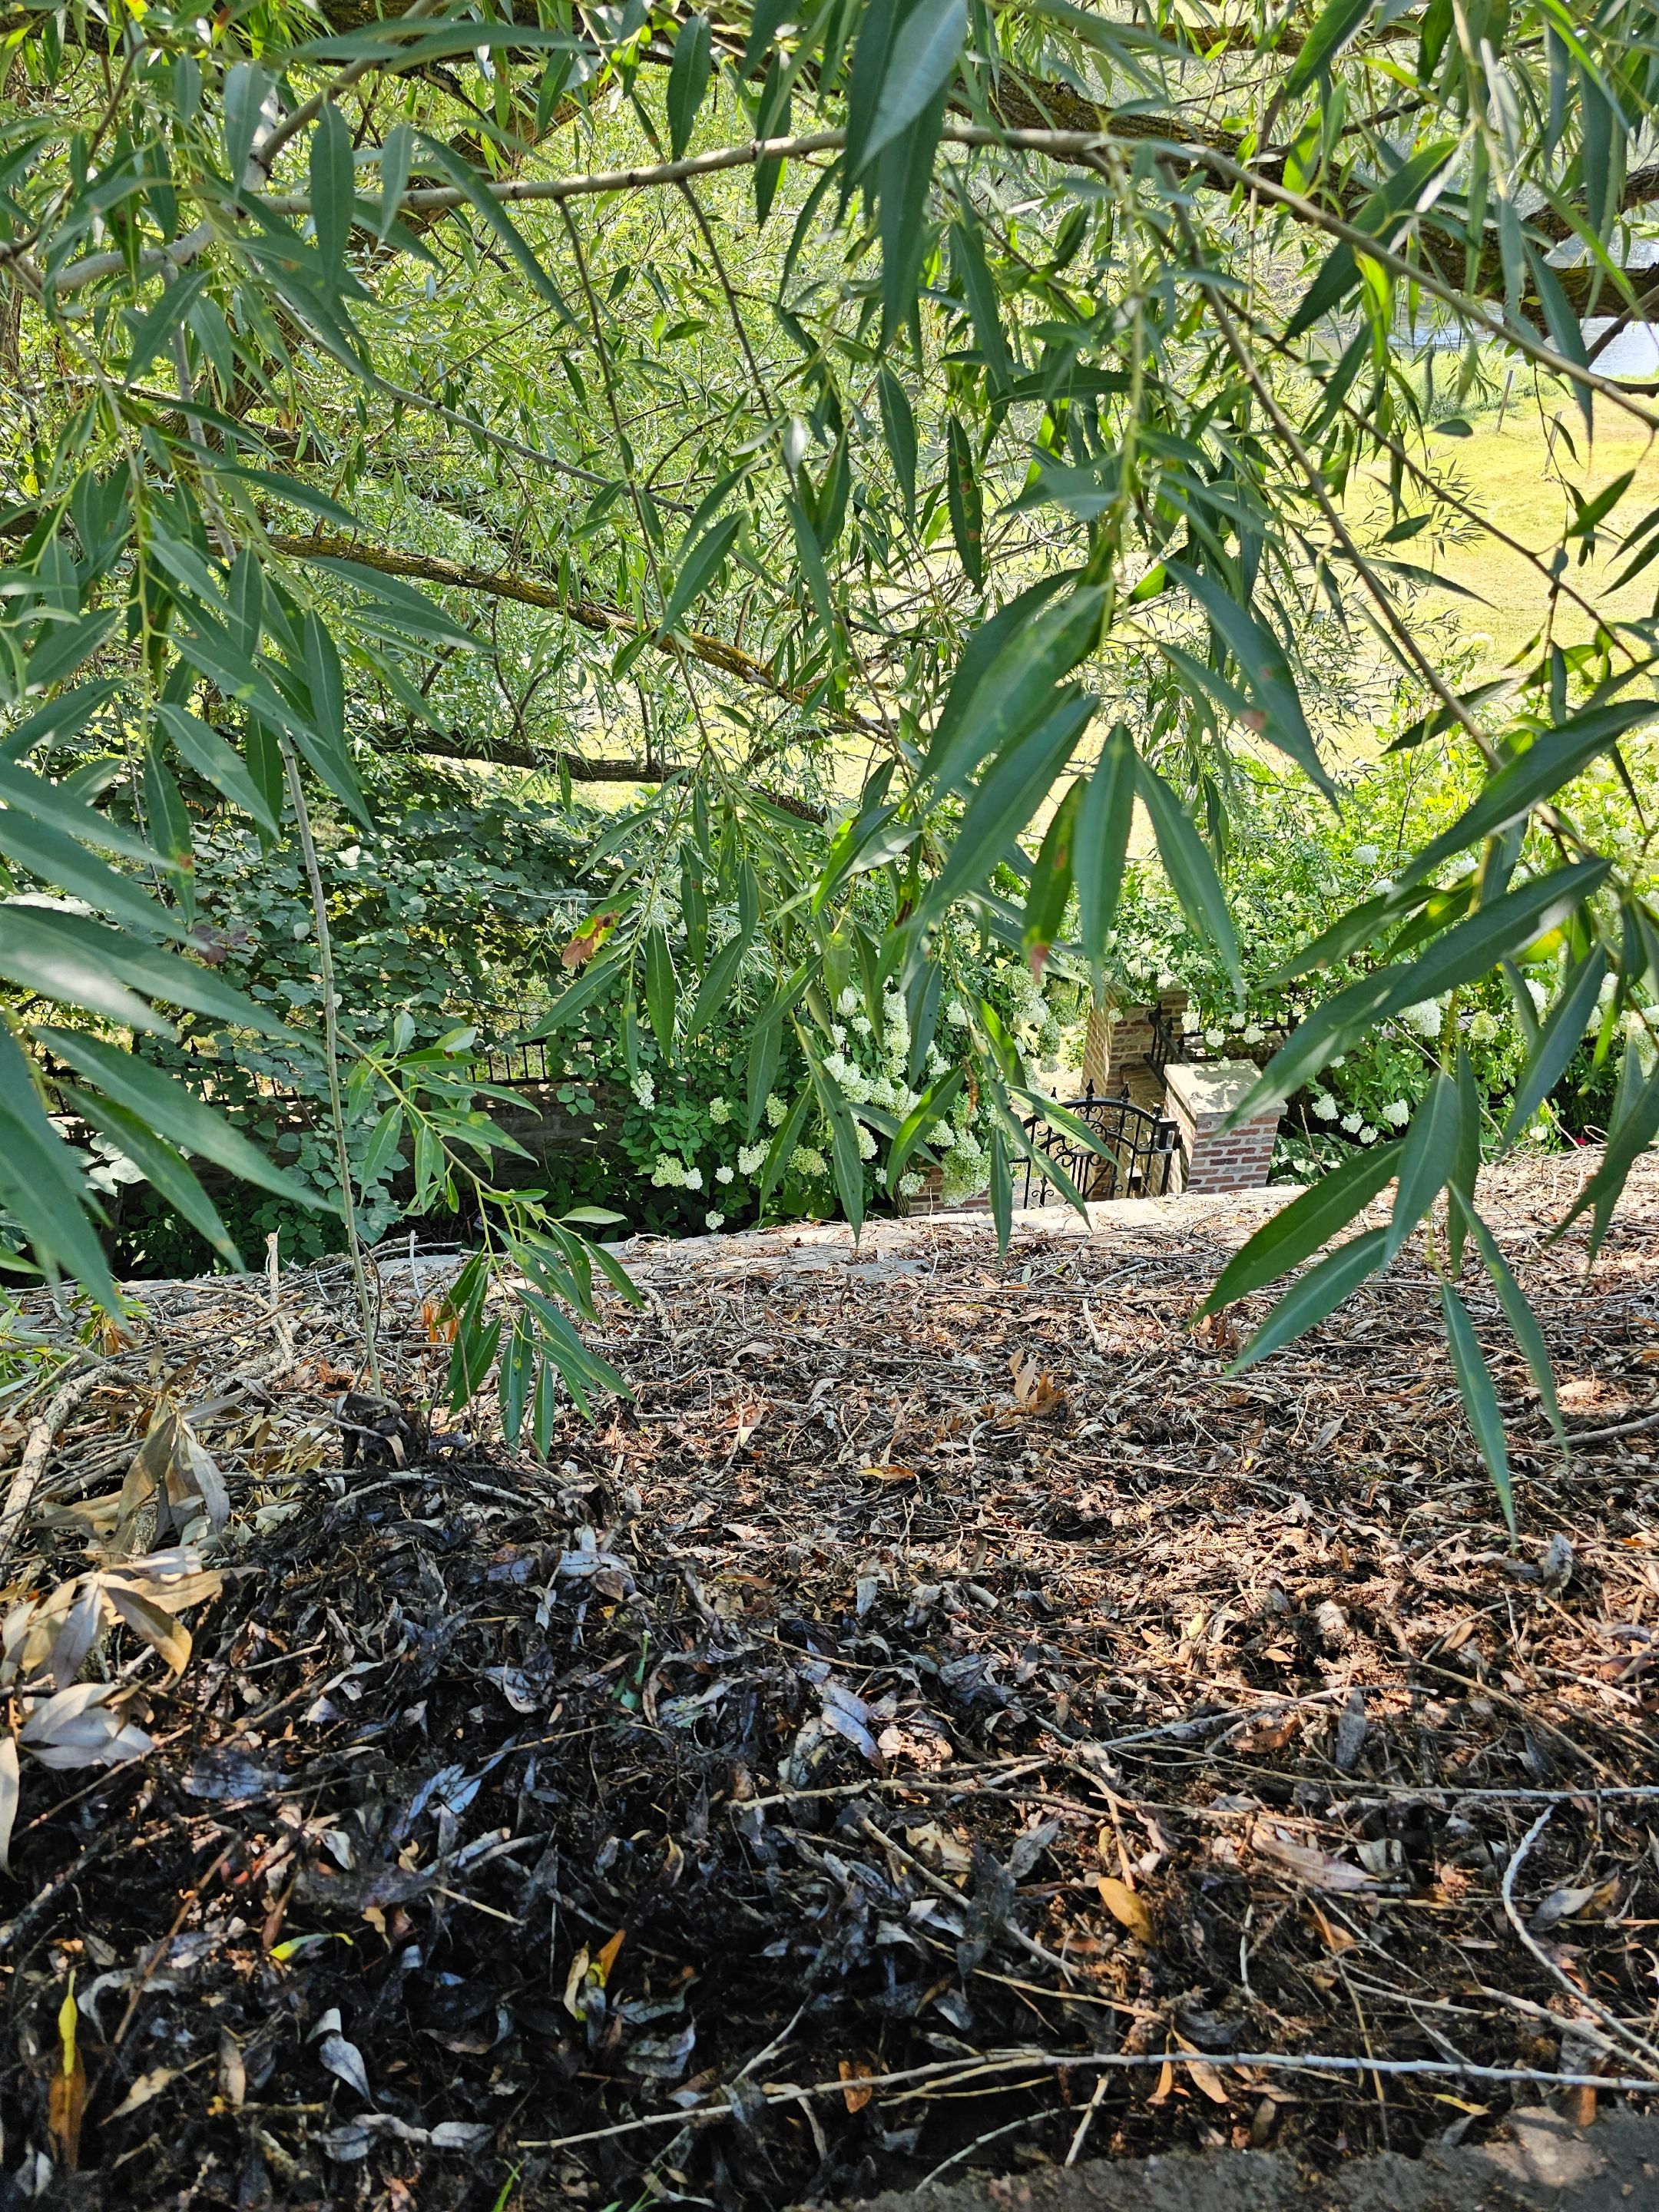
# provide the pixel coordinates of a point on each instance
(806, 1161)
(722, 1175)
(1368, 1135)
(838, 1033)
(1539, 994)
(867, 1143)
(861, 1024)
(750, 1158)
(1424, 1017)
(1235, 1021)
(1483, 1027)
(1365, 856)
(776, 1111)
(716, 1221)
(910, 1184)
(1254, 1033)
(644, 1089)
(1351, 1124)
(1325, 1107)
(847, 1003)
(957, 1014)
(719, 1110)
(1396, 1113)
(1191, 1023)
(1215, 1039)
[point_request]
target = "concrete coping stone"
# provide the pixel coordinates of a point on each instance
(1211, 1087)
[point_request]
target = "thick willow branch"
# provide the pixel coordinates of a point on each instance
(591, 614)
(512, 752)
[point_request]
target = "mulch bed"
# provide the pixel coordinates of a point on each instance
(939, 1676)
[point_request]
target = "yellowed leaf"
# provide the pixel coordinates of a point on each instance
(607, 1958)
(854, 2076)
(1126, 1908)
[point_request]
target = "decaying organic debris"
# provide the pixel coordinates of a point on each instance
(941, 1721)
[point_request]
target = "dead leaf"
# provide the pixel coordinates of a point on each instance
(607, 1958)
(146, 2086)
(9, 1791)
(66, 2099)
(1333, 1938)
(1206, 2078)
(854, 2074)
(1316, 1867)
(1126, 1908)
(345, 2062)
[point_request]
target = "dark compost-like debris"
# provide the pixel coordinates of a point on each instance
(941, 1721)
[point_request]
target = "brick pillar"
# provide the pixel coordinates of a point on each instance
(1200, 1099)
(1097, 1047)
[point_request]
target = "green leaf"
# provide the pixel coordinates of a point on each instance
(1001, 1190)
(1471, 949)
(966, 500)
(1051, 880)
(922, 61)
(34, 954)
(1298, 1231)
(218, 763)
(32, 794)
(1523, 1322)
(1005, 681)
(1315, 1295)
(779, 1151)
(1188, 864)
(1474, 1384)
(171, 1111)
(396, 155)
(462, 173)
(58, 860)
(246, 88)
(66, 645)
(147, 967)
(1428, 1157)
(331, 195)
(688, 79)
(59, 718)
(1102, 840)
(1266, 668)
(1335, 26)
(1011, 789)
(514, 1383)
(163, 1168)
(699, 567)
(153, 329)
(713, 992)
(847, 1166)
(1632, 1134)
(1558, 1040)
(382, 1145)
(1552, 759)
(40, 1184)
(972, 271)
(933, 1104)
(659, 989)
(898, 424)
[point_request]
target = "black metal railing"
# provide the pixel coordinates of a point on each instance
(1139, 1149)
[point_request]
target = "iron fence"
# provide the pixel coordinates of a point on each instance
(1139, 1149)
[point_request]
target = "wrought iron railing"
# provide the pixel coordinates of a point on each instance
(1139, 1150)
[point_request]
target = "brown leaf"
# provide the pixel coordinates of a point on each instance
(1126, 1908)
(1316, 1867)
(66, 2098)
(854, 2074)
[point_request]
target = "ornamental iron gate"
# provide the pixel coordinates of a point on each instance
(1141, 1148)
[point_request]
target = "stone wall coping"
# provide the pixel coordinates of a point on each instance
(1211, 1087)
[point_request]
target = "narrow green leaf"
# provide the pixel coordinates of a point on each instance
(1011, 789)
(1474, 1385)
(966, 500)
(688, 79)
(1188, 864)
(699, 567)
(174, 1113)
(1051, 880)
(898, 424)
(922, 61)
(1523, 1322)
(1001, 1190)
(1558, 1040)
(218, 763)
(331, 194)
(1266, 668)
(933, 1104)
(58, 860)
(1306, 1222)
(1428, 1158)
(660, 989)
(1315, 1295)
(163, 1168)
(1102, 840)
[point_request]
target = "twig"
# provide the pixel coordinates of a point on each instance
(37, 1449)
(990, 2135)
(1608, 2020)
(1071, 2155)
(1049, 2062)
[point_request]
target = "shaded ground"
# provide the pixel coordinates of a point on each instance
(942, 1723)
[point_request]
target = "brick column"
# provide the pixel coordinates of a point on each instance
(1097, 1047)
(1200, 1099)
